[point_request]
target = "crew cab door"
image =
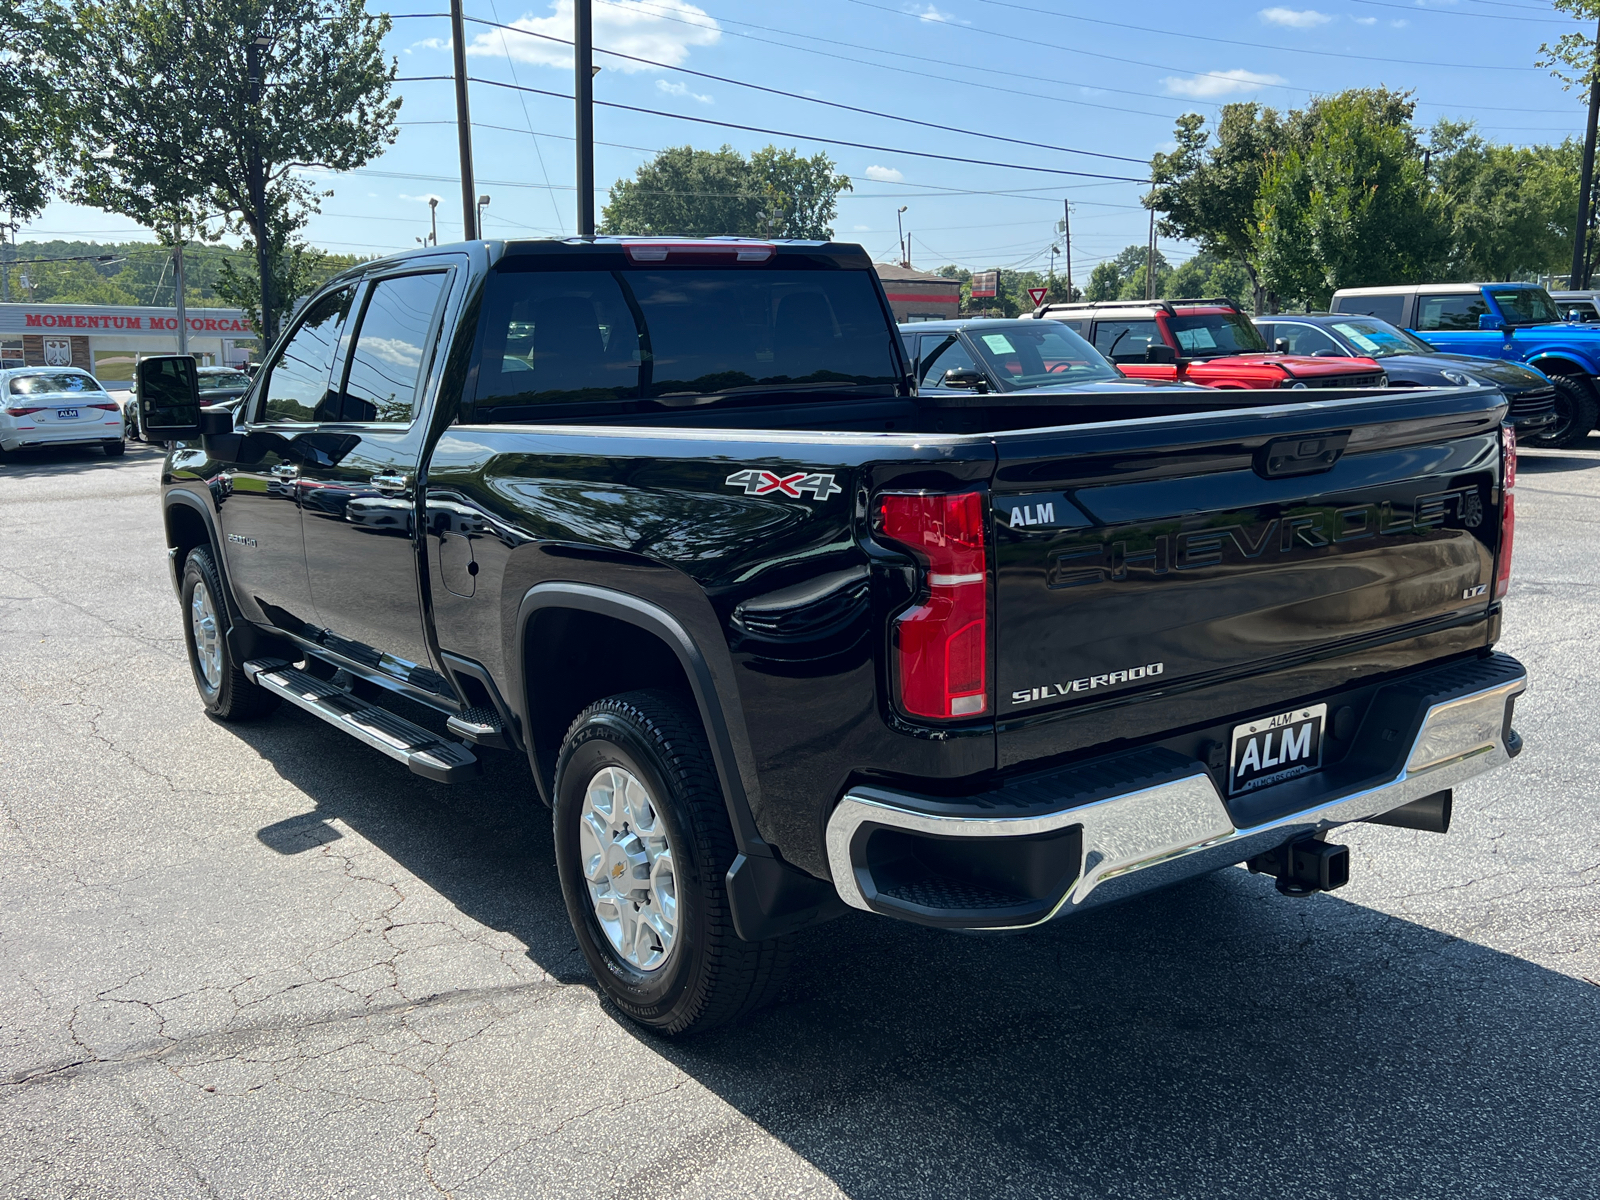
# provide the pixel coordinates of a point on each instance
(1449, 322)
(358, 484)
(260, 506)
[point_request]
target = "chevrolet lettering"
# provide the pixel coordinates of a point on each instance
(785, 615)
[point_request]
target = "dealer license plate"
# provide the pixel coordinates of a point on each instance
(1271, 749)
(66, 414)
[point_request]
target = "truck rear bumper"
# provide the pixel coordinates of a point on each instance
(1114, 827)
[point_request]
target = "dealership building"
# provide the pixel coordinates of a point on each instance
(108, 340)
(919, 295)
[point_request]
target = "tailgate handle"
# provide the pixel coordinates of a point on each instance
(1304, 454)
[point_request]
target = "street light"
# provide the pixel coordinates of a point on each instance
(483, 203)
(433, 218)
(900, 229)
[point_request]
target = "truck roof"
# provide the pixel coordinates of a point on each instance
(1438, 289)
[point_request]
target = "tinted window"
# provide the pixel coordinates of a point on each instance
(1386, 308)
(941, 352)
(1040, 354)
(1526, 306)
(1450, 312)
(1306, 339)
(574, 338)
(299, 379)
(41, 385)
(1124, 341)
(390, 353)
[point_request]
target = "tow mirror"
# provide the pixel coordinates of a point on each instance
(1155, 352)
(169, 397)
(965, 377)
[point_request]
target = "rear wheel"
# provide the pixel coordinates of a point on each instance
(643, 847)
(1576, 410)
(221, 682)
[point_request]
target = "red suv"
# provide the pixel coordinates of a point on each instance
(1209, 342)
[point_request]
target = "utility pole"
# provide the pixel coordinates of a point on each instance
(1580, 273)
(257, 184)
(177, 298)
(1150, 260)
(6, 254)
(1066, 240)
(458, 45)
(583, 102)
(899, 228)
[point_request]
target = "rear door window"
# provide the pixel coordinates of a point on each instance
(298, 381)
(941, 352)
(1125, 341)
(1460, 311)
(1386, 308)
(391, 352)
(1306, 339)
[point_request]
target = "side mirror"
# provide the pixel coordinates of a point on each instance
(1489, 323)
(1575, 314)
(1155, 352)
(1281, 346)
(965, 377)
(169, 397)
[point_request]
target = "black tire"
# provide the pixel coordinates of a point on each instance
(114, 449)
(1576, 411)
(709, 975)
(231, 697)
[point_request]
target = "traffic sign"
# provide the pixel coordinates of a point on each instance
(1037, 295)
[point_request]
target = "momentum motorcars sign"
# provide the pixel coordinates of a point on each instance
(107, 318)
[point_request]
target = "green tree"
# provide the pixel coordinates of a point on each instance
(1206, 190)
(168, 133)
(704, 193)
(32, 32)
(1208, 276)
(1347, 203)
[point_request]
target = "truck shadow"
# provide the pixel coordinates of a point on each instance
(1211, 1040)
(74, 460)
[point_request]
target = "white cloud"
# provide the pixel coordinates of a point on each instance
(1398, 24)
(1294, 18)
(662, 30)
(680, 89)
(421, 199)
(884, 174)
(1365, 20)
(430, 44)
(861, 228)
(929, 13)
(1211, 84)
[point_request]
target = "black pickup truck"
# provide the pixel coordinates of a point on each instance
(779, 637)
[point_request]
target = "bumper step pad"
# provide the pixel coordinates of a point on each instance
(425, 752)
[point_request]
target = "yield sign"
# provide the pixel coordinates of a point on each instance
(1037, 295)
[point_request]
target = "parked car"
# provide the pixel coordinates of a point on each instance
(670, 519)
(57, 406)
(220, 387)
(1518, 322)
(1408, 361)
(1582, 306)
(1209, 342)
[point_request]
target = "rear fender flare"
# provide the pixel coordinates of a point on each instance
(732, 773)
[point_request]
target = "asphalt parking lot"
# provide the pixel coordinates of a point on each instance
(261, 960)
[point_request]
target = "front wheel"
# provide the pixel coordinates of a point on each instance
(643, 847)
(222, 684)
(1576, 410)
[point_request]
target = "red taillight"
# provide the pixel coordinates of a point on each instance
(1508, 512)
(942, 645)
(106, 407)
(24, 410)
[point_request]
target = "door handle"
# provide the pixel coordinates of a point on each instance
(391, 484)
(286, 471)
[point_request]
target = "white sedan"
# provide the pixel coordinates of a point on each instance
(57, 406)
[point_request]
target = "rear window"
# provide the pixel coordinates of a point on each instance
(44, 385)
(1386, 308)
(556, 343)
(224, 381)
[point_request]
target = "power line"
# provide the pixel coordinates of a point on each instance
(1455, 12)
(870, 112)
(806, 137)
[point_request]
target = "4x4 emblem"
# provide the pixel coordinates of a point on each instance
(761, 483)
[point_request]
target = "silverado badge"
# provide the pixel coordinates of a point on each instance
(756, 482)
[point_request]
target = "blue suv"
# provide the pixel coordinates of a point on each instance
(1514, 321)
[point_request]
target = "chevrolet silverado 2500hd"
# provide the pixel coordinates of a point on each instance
(779, 637)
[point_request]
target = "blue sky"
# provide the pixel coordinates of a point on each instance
(1103, 78)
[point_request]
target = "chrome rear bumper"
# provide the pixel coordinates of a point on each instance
(1134, 822)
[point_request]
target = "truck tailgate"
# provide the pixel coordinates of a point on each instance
(1182, 553)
